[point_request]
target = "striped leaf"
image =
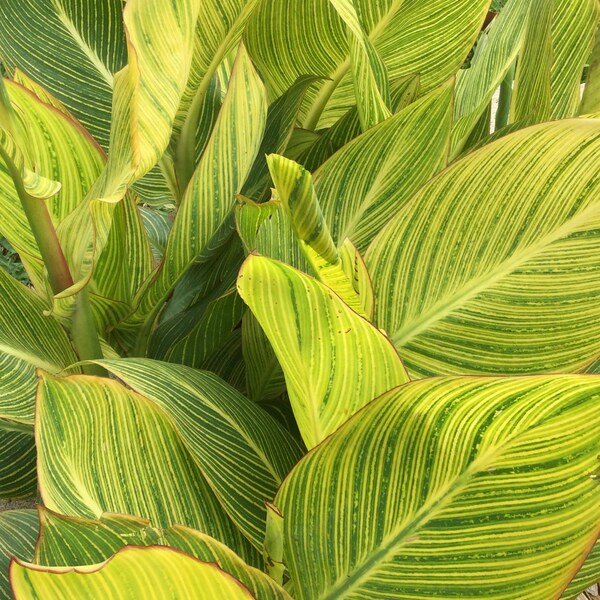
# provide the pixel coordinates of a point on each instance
(242, 452)
(590, 103)
(362, 186)
(72, 49)
(62, 151)
(297, 194)
(587, 576)
(73, 541)
(153, 573)
(28, 340)
(573, 24)
(289, 38)
(532, 93)
(334, 360)
(404, 91)
(450, 488)
(103, 448)
(491, 268)
(371, 85)
(18, 535)
(210, 196)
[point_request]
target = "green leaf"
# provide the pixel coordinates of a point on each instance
(334, 360)
(166, 572)
(242, 452)
(289, 38)
(18, 534)
(103, 448)
(296, 191)
(62, 151)
(533, 82)
(371, 84)
(491, 268)
(28, 340)
(450, 488)
(362, 186)
(587, 576)
(89, 38)
(74, 541)
(210, 197)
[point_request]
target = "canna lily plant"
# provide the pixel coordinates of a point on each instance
(301, 319)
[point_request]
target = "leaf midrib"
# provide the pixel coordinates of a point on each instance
(87, 50)
(475, 286)
(444, 496)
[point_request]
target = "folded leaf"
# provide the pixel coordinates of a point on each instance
(491, 268)
(334, 360)
(152, 573)
(453, 488)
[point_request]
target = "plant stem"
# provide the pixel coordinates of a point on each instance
(84, 334)
(506, 92)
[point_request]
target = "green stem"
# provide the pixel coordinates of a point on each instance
(273, 546)
(84, 334)
(506, 92)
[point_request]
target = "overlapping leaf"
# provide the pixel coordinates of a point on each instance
(242, 452)
(28, 340)
(454, 488)
(210, 197)
(18, 535)
(365, 183)
(72, 541)
(334, 360)
(289, 38)
(103, 448)
(491, 268)
(166, 572)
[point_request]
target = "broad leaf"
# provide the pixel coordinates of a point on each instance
(491, 268)
(18, 535)
(334, 360)
(244, 472)
(362, 186)
(587, 576)
(103, 448)
(73, 541)
(88, 37)
(166, 573)
(28, 340)
(410, 37)
(450, 488)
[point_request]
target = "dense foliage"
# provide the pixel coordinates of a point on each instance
(298, 316)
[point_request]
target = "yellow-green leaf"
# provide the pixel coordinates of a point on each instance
(18, 534)
(289, 38)
(334, 360)
(450, 488)
(259, 453)
(491, 268)
(104, 448)
(73, 541)
(149, 573)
